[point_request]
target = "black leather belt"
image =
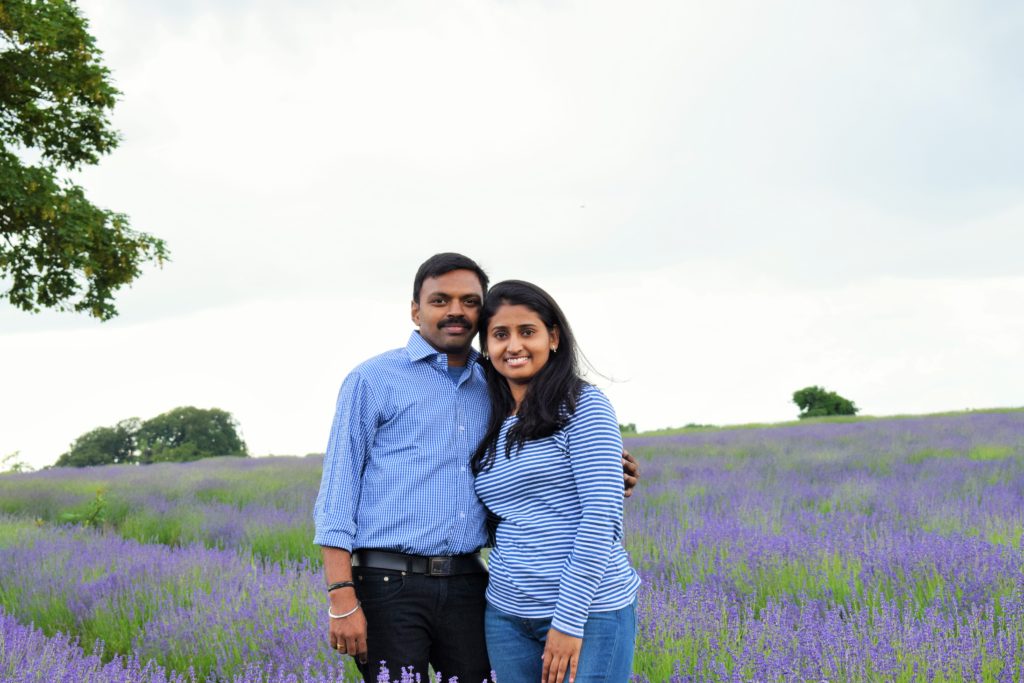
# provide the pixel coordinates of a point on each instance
(443, 565)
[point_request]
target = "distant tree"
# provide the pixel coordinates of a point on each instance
(57, 249)
(103, 446)
(189, 433)
(184, 433)
(815, 401)
(627, 428)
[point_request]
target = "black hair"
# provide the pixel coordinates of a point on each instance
(439, 264)
(551, 397)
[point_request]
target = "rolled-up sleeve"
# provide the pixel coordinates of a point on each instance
(352, 435)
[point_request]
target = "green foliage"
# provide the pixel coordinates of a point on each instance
(627, 428)
(189, 433)
(103, 446)
(182, 434)
(93, 515)
(10, 464)
(815, 401)
(57, 249)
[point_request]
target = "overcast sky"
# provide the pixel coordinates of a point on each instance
(731, 200)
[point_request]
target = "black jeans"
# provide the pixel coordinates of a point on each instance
(414, 620)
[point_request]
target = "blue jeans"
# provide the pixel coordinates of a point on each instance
(515, 645)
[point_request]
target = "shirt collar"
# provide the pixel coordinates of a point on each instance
(419, 349)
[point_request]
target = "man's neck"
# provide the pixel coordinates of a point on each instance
(456, 359)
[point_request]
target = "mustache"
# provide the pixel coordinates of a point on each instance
(453, 322)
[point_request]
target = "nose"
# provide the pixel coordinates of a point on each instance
(514, 343)
(455, 308)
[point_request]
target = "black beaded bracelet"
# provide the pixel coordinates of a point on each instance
(340, 584)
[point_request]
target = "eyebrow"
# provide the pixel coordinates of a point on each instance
(446, 295)
(520, 326)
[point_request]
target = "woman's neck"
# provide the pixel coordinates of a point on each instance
(518, 394)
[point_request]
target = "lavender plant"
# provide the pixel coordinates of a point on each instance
(843, 551)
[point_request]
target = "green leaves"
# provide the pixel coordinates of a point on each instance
(189, 433)
(815, 401)
(102, 446)
(182, 434)
(91, 516)
(57, 249)
(54, 90)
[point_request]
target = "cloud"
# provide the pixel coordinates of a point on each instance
(708, 182)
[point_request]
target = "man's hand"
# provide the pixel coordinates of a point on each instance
(561, 653)
(347, 635)
(630, 472)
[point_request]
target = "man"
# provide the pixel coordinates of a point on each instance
(397, 516)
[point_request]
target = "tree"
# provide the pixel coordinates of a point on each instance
(103, 446)
(12, 464)
(57, 249)
(189, 433)
(184, 433)
(815, 401)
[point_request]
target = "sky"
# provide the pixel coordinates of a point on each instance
(730, 201)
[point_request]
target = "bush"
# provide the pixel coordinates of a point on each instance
(815, 401)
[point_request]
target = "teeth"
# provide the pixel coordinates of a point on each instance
(520, 360)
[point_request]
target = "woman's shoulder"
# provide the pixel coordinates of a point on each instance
(590, 394)
(591, 403)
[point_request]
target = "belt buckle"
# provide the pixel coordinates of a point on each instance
(439, 566)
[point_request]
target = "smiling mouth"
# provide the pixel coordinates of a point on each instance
(516, 362)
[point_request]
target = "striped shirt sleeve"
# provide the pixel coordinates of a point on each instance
(352, 434)
(595, 451)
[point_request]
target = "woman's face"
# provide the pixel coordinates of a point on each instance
(519, 343)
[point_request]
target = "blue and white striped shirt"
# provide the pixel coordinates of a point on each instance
(559, 551)
(397, 472)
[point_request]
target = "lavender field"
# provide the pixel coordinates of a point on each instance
(868, 550)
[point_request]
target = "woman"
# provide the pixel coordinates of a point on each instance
(562, 595)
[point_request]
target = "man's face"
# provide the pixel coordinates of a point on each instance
(448, 310)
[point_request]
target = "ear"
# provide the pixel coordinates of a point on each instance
(553, 337)
(415, 313)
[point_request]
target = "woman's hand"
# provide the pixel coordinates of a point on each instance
(561, 653)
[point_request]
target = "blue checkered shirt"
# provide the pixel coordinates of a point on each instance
(397, 472)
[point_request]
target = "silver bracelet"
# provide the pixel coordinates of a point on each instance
(349, 613)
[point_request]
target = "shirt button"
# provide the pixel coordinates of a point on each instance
(461, 428)
(462, 515)
(463, 468)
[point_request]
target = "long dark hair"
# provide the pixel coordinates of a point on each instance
(551, 397)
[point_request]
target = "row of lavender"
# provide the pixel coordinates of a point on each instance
(150, 612)
(878, 550)
(873, 550)
(259, 505)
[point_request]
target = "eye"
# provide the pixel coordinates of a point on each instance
(472, 301)
(499, 334)
(437, 300)
(528, 332)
